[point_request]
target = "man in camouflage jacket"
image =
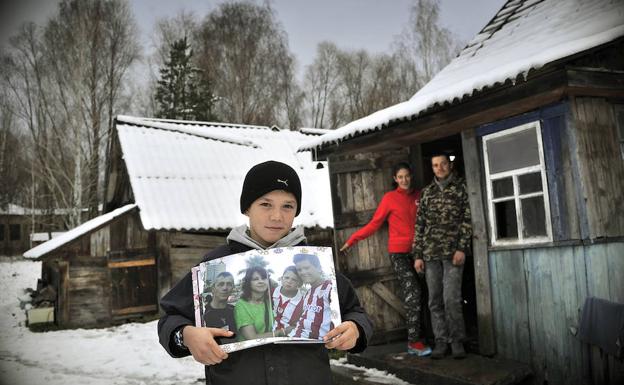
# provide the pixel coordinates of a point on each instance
(443, 236)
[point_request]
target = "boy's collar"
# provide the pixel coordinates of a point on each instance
(240, 234)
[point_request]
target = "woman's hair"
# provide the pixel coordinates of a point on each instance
(247, 282)
(266, 297)
(396, 168)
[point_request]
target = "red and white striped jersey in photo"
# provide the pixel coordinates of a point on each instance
(315, 321)
(284, 308)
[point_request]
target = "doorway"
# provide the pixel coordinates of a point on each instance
(421, 159)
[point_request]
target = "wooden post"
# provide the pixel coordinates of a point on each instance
(485, 319)
(63, 294)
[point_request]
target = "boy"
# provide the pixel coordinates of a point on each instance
(271, 198)
(315, 321)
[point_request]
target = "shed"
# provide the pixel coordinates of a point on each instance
(533, 110)
(172, 194)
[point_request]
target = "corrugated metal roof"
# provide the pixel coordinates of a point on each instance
(524, 35)
(188, 175)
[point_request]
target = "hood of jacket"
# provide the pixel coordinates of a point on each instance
(241, 235)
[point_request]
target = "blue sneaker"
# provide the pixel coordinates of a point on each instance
(418, 349)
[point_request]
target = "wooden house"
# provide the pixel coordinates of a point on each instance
(172, 194)
(16, 227)
(533, 111)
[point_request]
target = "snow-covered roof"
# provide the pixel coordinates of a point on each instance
(188, 175)
(524, 35)
(76, 232)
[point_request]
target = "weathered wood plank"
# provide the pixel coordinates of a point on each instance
(597, 271)
(511, 319)
(164, 262)
(485, 319)
(602, 177)
(196, 240)
(615, 261)
(134, 310)
(353, 219)
(133, 263)
(63, 295)
(381, 290)
(540, 306)
(100, 242)
(188, 252)
(136, 236)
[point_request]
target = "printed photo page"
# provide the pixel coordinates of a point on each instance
(281, 295)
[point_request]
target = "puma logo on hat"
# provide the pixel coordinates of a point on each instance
(283, 181)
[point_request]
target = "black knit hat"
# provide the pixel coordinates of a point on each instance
(266, 177)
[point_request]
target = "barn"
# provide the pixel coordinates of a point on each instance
(171, 195)
(532, 110)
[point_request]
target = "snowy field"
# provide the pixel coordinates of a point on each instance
(125, 355)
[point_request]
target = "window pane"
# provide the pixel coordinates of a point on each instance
(533, 217)
(502, 188)
(530, 183)
(506, 224)
(14, 232)
(513, 151)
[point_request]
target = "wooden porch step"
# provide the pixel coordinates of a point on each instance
(472, 370)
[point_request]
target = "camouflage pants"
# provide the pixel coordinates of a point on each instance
(444, 281)
(410, 287)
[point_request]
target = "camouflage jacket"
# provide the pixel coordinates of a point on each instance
(443, 224)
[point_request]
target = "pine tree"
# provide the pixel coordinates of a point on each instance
(183, 92)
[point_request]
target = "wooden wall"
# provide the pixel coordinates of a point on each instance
(88, 292)
(358, 183)
(548, 287)
(600, 166)
(187, 250)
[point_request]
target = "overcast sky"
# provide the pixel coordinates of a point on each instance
(351, 24)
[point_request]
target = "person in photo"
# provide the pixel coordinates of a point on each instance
(287, 304)
(315, 321)
(218, 312)
(271, 199)
(252, 311)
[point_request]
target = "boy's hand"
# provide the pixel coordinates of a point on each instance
(342, 337)
(201, 342)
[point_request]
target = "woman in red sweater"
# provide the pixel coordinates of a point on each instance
(400, 207)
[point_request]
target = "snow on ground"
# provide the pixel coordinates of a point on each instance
(126, 355)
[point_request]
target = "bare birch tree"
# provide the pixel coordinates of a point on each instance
(425, 45)
(65, 79)
(244, 52)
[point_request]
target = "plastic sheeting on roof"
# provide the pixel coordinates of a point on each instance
(76, 232)
(524, 35)
(192, 181)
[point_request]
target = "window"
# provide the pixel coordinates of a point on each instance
(619, 122)
(1, 232)
(517, 191)
(15, 232)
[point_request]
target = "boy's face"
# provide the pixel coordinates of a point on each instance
(291, 281)
(308, 272)
(271, 216)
